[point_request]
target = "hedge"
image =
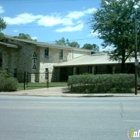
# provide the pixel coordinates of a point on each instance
(7, 82)
(106, 83)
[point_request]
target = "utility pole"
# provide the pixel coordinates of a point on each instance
(136, 60)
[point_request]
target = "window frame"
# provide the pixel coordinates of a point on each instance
(61, 54)
(46, 52)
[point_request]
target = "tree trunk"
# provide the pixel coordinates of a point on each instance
(123, 62)
(123, 67)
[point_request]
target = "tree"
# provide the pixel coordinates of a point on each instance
(91, 47)
(66, 42)
(114, 22)
(74, 44)
(2, 27)
(24, 36)
(62, 41)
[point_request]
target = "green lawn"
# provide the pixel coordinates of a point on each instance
(41, 85)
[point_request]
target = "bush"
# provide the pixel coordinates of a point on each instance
(5, 74)
(106, 83)
(7, 82)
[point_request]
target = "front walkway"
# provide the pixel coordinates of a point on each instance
(61, 92)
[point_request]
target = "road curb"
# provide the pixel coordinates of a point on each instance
(70, 95)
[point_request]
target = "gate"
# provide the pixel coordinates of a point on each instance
(36, 80)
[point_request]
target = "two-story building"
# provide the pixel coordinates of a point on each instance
(37, 58)
(19, 56)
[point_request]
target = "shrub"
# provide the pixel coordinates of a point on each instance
(5, 74)
(7, 82)
(101, 83)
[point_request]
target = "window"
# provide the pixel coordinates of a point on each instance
(46, 52)
(46, 73)
(15, 72)
(61, 54)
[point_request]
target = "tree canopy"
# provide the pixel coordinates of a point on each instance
(66, 42)
(62, 41)
(91, 47)
(24, 36)
(2, 27)
(114, 22)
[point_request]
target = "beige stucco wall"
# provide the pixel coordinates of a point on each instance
(54, 74)
(50, 61)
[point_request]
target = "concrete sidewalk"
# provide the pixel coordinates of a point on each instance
(62, 92)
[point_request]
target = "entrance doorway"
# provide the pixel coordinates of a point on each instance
(63, 74)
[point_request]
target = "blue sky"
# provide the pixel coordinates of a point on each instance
(50, 20)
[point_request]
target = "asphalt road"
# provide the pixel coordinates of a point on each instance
(59, 118)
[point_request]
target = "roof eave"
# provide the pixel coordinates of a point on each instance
(8, 45)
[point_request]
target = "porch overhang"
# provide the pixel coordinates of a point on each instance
(100, 59)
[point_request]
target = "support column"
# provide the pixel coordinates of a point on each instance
(74, 70)
(113, 69)
(93, 69)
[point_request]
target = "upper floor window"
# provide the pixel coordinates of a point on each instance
(61, 54)
(46, 52)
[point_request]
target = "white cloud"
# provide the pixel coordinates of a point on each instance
(53, 20)
(79, 14)
(68, 21)
(71, 28)
(72, 18)
(75, 15)
(56, 19)
(22, 19)
(34, 37)
(1, 9)
(90, 11)
(49, 21)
